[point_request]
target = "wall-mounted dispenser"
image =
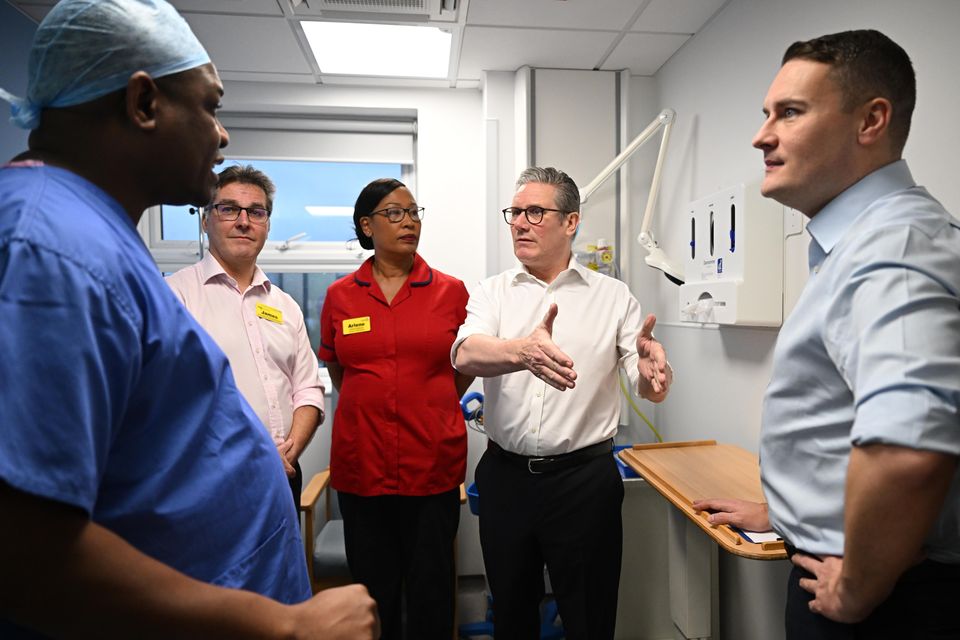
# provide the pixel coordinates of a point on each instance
(734, 264)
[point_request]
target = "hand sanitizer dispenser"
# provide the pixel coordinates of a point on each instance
(734, 262)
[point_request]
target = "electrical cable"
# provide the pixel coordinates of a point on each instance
(636, 409)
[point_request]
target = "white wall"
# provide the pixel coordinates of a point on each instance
(450, 158)
(575, 130)
(717, 83)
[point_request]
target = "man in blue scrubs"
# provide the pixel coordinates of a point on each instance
(140, 497)
(861, 420)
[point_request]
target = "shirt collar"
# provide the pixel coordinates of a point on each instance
(210, 268)
(574, 270)
(421, 274)
(828, 226)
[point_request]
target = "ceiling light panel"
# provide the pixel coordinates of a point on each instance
(379, 49)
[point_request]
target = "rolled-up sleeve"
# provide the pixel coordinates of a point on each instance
(901, 353)
(630, 325)
(305, 381)
(482, 318)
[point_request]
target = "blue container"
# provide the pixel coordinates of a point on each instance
(473, 498)
(625, 470)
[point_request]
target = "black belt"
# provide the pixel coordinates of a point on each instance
(547, 464)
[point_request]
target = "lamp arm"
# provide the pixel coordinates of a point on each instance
(657, 169)
(664, 119)
(656, 257)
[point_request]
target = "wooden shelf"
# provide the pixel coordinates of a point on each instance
(687, 471)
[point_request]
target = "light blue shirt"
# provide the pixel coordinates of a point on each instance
(116, 402)
(870, 354)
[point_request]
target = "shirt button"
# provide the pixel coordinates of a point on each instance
(538, 394)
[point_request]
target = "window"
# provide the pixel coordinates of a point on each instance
(314, 200)
(309, 290)
(319, 162)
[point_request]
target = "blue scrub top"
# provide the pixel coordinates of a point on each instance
(117, 402)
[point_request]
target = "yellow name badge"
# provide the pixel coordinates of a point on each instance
(356, 325)
(269, 313)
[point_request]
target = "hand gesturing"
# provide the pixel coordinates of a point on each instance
(655, 373)
(540, 355)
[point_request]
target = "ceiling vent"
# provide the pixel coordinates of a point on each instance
(379, 10)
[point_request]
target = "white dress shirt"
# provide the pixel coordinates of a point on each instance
(597, 324)
(263, 334)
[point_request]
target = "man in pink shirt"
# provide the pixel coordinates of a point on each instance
(257, 325)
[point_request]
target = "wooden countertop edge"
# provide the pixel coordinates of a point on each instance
(726, 537)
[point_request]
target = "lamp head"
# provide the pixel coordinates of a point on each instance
(657, 258)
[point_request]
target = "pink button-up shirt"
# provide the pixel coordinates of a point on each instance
(263, 334)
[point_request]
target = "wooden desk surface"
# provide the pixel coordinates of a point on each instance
(686, 471)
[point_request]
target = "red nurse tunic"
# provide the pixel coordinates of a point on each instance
(397, 429)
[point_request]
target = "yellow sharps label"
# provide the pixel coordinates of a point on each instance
(269, 313)
(356, 325)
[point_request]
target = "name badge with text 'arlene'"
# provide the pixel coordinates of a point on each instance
(356, 325)
(269, 313)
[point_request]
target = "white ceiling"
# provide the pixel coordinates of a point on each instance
(262, 40)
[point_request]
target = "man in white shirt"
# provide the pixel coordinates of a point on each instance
(258, 326)
(549, 339)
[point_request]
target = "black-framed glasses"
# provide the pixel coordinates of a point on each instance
(534, 214)
(395, 214)
(230, 212)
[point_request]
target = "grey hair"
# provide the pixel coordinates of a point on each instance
(567, 196)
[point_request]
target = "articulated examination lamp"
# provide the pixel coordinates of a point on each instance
(656, 257)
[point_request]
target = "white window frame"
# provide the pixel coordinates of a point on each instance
(363, 136)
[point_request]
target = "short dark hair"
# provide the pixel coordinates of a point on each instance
(567, 197)
(248, 174)
(866, 64)
(369, 198)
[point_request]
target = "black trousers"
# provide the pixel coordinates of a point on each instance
(921, 607)
(296, 486)
(569, 520)
(401, 548)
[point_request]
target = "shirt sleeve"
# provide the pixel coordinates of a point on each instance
(482, 317)
(463, 297)
(900, 351)
(328, 346)
(305, 379)
(72, 355)
(630, 324)
(173, 281)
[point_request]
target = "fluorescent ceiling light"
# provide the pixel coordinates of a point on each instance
(325, 212)
(379, 49)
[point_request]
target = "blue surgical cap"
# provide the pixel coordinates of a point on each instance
(85, 49)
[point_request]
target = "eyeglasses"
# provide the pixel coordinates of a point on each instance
(230, 212)
(534, 214)
(395, 214)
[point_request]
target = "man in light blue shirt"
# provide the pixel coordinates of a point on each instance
(861, 430)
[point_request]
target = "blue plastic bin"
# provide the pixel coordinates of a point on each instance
(473, 499)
